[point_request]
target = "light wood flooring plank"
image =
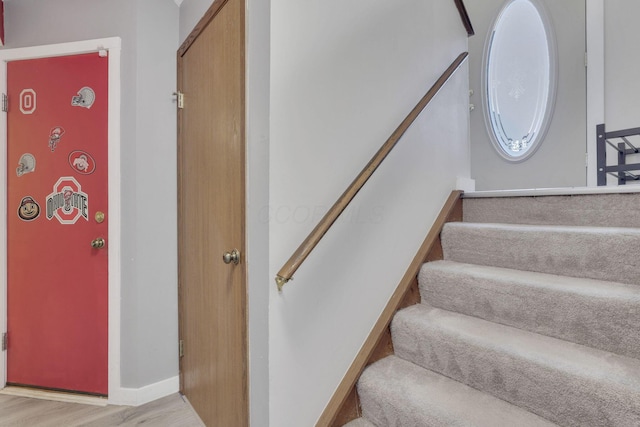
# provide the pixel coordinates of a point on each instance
(170, 411)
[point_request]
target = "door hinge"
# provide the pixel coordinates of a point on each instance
(5, 103)
(179, 98)
(180, 348)
(586, 60)
(4, 341)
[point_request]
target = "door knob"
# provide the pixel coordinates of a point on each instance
(231, 257)
(98, 243)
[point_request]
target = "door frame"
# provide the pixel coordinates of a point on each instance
(113, 46)
(595, 83)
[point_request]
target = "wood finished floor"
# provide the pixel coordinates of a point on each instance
(170, 411)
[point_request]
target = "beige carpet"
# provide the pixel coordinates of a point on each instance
(533, 322)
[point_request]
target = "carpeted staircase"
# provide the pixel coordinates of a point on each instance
(531, 319)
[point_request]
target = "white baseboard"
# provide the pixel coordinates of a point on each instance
(146, 394)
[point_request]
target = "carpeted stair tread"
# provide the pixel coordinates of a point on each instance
(566, 383)
(394, 392)
(599, 314)
(359, 422)
(601, 210)
(600, 253)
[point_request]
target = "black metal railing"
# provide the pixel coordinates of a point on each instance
(620, 140)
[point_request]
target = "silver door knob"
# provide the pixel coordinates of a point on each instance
(231, 257)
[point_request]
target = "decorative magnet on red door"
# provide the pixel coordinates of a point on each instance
(85, 98)
(26, 164)
(54, 137)
(82, 162)
(67, 202)
(28, 101)
(29, 209)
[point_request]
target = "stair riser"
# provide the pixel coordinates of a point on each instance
(607, 321)
(602, 210)
(602, 255)
(556, 393)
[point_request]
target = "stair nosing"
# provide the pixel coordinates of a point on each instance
(570, 355)
(546, 227)
(594, 287)
(470, 392)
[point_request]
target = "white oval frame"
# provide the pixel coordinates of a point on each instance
(553, 82)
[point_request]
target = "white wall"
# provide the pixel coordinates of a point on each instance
(152, 297)
(612, 86)
(343, 76)
(559, 160)
(258, 77)
(190, 13)
(622, 61)
(621, 83)
(149, 33)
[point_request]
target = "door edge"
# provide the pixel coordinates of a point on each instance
(595, 83)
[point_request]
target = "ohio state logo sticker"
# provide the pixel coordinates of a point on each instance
(28, 101)
(26, 164)
(82, 162)
(29, 209)
(85, 98)
(67, 203)
(54, 137)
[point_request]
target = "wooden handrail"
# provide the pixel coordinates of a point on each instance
(286, 272)
(464, 16)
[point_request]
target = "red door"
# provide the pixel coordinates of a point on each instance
(57, 290)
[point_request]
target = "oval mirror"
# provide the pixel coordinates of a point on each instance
(519, 79)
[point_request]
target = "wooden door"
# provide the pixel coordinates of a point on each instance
(211, 198)
(57, 283)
